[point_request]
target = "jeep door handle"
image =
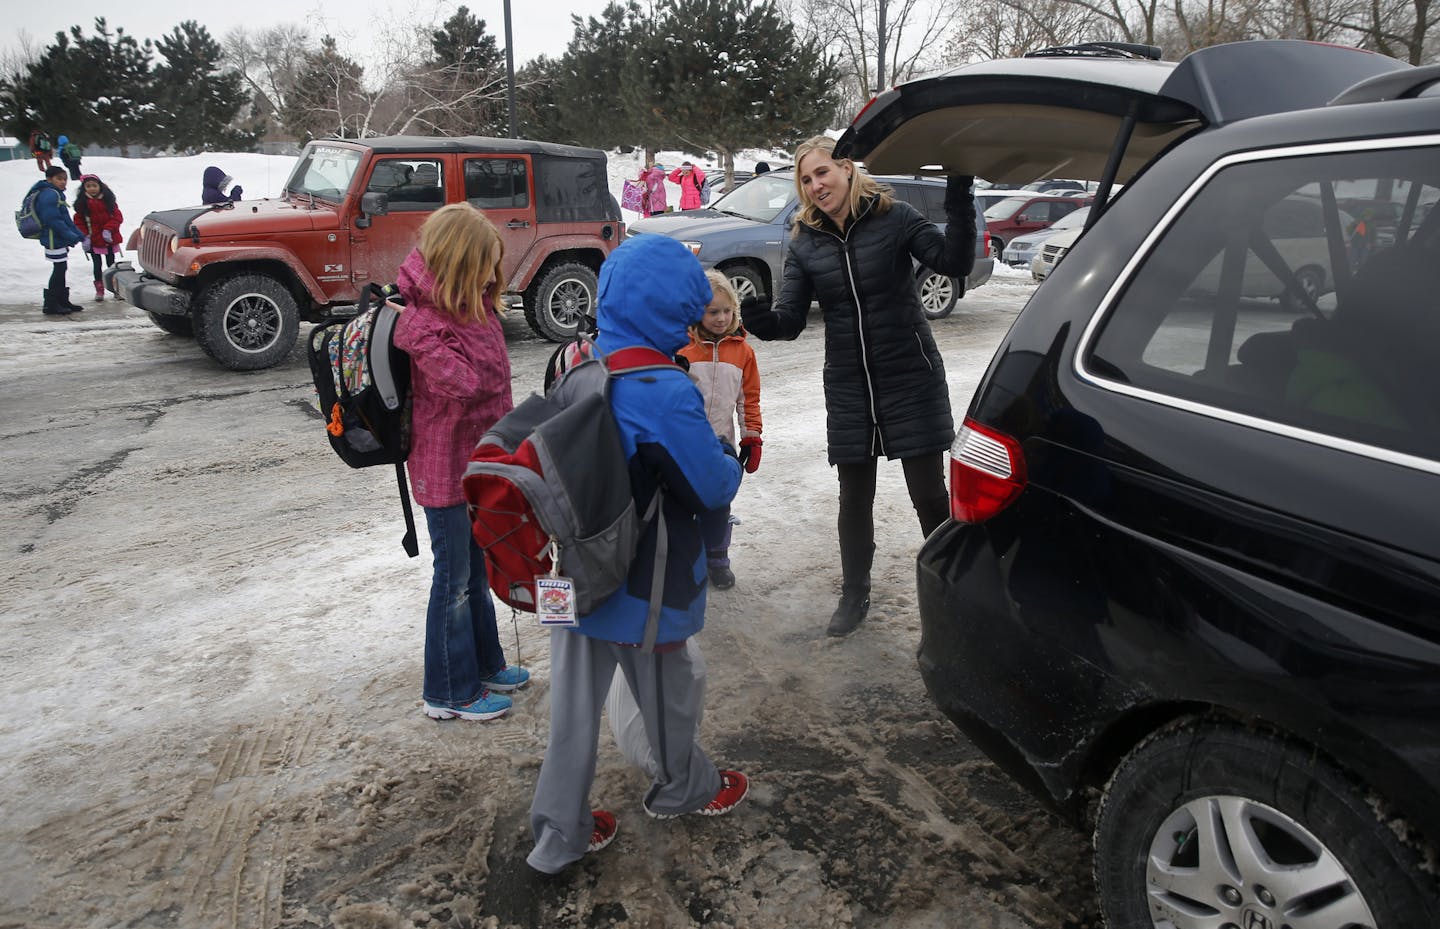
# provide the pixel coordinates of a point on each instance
(517, 224)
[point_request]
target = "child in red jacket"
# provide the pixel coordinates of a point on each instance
(98, 216)
(723, 366)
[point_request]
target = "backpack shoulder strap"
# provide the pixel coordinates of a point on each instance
(637, 357)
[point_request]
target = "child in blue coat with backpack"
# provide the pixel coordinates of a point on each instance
(651, 291)
(58, 234)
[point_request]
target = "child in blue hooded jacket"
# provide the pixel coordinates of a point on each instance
(58, 233)
(651, 291)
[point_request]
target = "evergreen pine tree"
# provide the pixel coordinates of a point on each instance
(197, 104)
(729, 75)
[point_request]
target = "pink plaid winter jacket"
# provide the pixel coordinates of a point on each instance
(460, 377)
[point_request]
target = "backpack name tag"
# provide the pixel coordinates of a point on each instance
(555, 601)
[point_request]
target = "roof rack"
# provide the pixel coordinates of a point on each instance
(1099, 50)
(1396, 85)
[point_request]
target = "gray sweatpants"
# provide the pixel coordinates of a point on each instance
(665, 689)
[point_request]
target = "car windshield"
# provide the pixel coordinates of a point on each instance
(1006, 208)
(760, 199)
(1071, 220)
(324, 171)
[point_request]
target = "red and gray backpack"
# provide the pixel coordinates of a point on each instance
(548, 488)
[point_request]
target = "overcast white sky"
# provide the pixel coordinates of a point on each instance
(538, 26)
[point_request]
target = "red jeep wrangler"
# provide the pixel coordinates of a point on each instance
(240, 277)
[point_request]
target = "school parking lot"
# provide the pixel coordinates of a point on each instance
(213, 648)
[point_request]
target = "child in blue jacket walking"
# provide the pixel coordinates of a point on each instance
(651, 291)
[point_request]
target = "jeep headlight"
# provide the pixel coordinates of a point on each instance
(174, 244)
(694, 248)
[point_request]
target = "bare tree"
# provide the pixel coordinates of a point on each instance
(915, 31)
(1010, 28)
(270, 60)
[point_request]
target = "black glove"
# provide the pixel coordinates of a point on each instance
(236, 191)
(760, 321)
(957, 189)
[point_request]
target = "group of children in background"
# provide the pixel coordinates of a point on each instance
(95, 225)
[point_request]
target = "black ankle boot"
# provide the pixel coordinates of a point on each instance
(49, 308)
(62, 300)
(854, 604)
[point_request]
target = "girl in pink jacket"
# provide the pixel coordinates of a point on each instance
(690, 179)
(460, 383)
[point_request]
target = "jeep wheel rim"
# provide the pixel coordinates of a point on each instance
(570, 301)
(252, 322)
(1224, 860)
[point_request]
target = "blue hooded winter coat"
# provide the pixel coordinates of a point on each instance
(652, 289)
(58, 229)
(212, 189)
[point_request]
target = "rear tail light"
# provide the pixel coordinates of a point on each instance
(987, 473)
(987, 243)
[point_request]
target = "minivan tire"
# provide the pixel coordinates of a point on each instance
(247, 321)
(565, 293)
(1244, 797)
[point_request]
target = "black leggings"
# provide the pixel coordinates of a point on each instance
(57, 275)
(924, 478)
(95, 260)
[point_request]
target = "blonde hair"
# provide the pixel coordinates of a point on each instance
(862, 185)
(463, 250)
(721, 287)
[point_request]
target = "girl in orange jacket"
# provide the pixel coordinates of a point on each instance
(723, 366)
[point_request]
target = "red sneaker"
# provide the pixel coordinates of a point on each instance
(606, 825)
(733, 788)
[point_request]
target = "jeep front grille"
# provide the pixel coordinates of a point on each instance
(155, 249)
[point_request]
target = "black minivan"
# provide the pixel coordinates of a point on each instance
(1190, 590)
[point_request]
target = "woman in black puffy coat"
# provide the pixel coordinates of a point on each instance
(851, 249)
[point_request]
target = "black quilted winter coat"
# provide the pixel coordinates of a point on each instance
(885, 388)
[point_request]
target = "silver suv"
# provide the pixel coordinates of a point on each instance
(745, 232)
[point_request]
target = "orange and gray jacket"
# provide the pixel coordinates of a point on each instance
(729, 380)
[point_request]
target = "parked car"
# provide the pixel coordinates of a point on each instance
(744, 235)
(1190, 590)
(1056, 185)
(1025, 213)
(1048, 255)
(1023, 248)
(240, 277)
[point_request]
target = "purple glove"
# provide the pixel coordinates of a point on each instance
(85, 244)
(235, 192)
(108, 236)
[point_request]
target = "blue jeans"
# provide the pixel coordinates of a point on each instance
(462, 644)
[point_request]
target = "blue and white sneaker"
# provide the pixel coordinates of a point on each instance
(507, 679)
(489, 706)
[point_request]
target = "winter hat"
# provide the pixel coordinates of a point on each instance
(63, 139)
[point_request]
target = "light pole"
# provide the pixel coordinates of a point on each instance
(509, 71)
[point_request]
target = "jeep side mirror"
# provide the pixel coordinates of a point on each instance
(372, 203)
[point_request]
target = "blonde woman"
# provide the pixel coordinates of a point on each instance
(853, 248)
(460, 378)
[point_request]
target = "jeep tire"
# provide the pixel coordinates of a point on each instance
(247, 321)
(554, 305)
(175, 325)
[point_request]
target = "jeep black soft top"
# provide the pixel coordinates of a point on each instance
(571, 183)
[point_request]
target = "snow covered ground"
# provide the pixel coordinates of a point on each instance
(143, 185)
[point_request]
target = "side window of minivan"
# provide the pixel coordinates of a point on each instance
(1260, 299)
